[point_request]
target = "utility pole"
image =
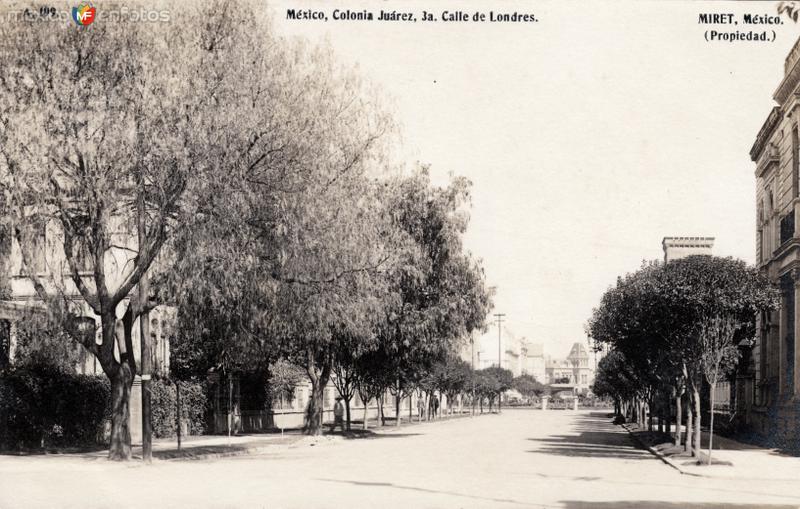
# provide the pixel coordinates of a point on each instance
(144, 333)
(499, 317)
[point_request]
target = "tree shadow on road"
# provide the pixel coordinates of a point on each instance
(357, 434)
(422, 490)
(593, 436)
(591, 444)
(655, 504)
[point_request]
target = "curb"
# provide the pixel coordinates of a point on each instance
(655, 452)
(215, 455)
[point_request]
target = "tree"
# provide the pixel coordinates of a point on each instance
(725, 296)
(641, 319)
(98, 126)
(504, 378)
(614, 380)
(528, 386)
(486, 386)
(438, 293)
(456, 375)
(678, 323)
(371, 379)
(284, 377)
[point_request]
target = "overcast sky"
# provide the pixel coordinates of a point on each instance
(589, 135)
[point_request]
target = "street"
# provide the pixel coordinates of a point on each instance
(521, 458)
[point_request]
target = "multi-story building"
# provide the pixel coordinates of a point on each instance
(768, 382)
(681, 247)
(47, 263)
(574, 373)
(533, 361)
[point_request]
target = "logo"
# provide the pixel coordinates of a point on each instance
(84, 14)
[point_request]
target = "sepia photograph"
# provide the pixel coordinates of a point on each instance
(400, 254)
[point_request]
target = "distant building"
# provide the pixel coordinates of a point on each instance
(681, 247)
(533, 361)
(574, 373)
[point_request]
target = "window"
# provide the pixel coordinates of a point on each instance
(35, 250)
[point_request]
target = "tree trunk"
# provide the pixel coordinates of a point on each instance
(366, 414)
(711, 423)
(397, 400)
(380, 417)
(697, 421)
(347, 412)
(689, 425)
(678, 418)
(668, 417)
(120, 448)
(312, 424)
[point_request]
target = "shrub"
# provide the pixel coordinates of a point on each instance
(41, 406)
(164, 407)
(162, 399)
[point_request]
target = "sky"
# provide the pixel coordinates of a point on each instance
(588, 135)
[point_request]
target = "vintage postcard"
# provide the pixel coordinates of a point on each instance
(399, 253)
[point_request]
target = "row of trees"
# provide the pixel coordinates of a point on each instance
(670, 328)
(255, 175)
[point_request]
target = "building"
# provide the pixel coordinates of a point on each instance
(681, 247)
(768, 382)
(533, 360)
(48, 264)
(574, 373)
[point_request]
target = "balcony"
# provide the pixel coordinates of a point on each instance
(787, 227)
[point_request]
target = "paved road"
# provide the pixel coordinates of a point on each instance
(522, 458)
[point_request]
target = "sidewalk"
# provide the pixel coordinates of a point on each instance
(221, 446)
(731, 459)
(205, 446)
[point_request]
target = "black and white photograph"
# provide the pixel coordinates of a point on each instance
(400, 254)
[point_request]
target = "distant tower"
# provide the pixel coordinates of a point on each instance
(681, 247)
(578, 358)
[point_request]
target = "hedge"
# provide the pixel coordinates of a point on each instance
(44, 407)
(164, 403)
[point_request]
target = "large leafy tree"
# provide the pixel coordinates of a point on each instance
(102, 128)
(721, 297)
(438, 291)
(678, 323)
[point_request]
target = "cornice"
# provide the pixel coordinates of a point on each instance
(765, 133)
(788, 84)
(784, 249)
(769, 161)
